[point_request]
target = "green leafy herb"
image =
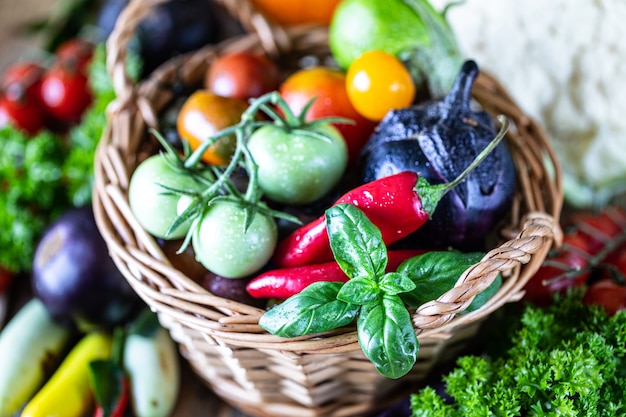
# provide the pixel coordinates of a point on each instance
(434, 273)
(565, 360)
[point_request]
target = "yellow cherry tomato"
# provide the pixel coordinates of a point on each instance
(378, 82)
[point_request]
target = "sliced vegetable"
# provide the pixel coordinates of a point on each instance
(68, 391)
(31, 345)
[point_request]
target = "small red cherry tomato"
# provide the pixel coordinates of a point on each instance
(243, 75)
(378, 82)
(22, 114)
(328, 87)
(567, 268)
(608, 294)
(75, 54)
(6, 277)
(23, 80)
(65, 93)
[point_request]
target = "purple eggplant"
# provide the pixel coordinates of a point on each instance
(438, 140)
(76, 279)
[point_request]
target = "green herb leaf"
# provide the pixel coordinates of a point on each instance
(360, 291)
(314, 310)
(387, 337)
(356, 242)
(434, 273)
(394, 283)
(568, 359)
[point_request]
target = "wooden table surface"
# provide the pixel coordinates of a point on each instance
(195, 398)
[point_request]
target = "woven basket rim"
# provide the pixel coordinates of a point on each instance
(140, 259)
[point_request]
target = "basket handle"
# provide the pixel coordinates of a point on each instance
(539, 233)
(272, 36)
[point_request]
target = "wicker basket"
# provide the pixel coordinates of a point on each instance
(322, 375)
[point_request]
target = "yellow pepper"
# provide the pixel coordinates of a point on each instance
(68, 392)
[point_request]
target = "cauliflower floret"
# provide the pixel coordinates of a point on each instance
(564, 62)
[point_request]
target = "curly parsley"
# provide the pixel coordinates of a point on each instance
(565, 360)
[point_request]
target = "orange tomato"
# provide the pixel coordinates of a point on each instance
(294, 12)
(204, 114)
(328, 87)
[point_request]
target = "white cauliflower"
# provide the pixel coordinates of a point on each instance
(564, 62)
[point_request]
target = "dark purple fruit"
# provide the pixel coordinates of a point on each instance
(75, 277)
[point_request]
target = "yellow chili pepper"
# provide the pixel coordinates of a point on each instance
(68, 392)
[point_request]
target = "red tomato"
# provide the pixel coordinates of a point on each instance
(566, 269)
(23, 80)
(295, 12)
(23, 114)
(243, 75)
(327, 86)
(607, 294)
(6, 277)
(598, 228)
(378, 82)
(75, 54)
(65, 93)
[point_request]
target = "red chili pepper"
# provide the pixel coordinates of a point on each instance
(398, 205)
(285, 282)
(120, 406)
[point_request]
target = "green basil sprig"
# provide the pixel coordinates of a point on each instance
(377, 299)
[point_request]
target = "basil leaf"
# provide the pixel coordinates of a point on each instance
(356, 242)
(314, 310)
(434, 273)
(387, 336)
(394, 283)
(359, 291)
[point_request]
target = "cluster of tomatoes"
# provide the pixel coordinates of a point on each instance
(36, 96)
(372, 85)
(592, 257)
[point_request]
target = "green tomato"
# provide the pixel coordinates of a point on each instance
(223, 245)
(296, 168)
(153, 207)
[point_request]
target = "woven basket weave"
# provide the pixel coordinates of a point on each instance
(318, 375)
